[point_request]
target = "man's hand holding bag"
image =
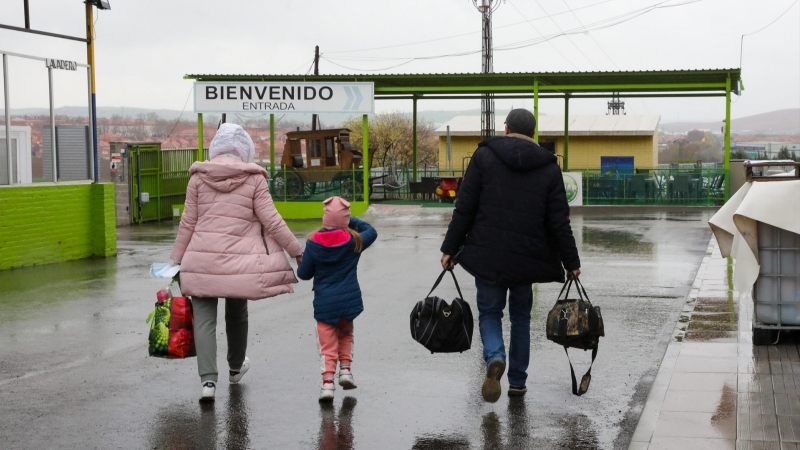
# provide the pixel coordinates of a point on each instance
(441, 327)
(576, 323)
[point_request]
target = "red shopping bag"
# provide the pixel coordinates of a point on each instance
(181, 329)
(171, 325)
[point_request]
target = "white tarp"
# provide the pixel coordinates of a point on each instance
(775, 203)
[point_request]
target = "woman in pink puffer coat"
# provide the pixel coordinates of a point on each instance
(230, 244)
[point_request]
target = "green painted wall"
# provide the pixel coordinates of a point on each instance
(313, 210)
(53, 223)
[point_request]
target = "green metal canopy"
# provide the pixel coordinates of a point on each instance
(535, 85)
(392, 85)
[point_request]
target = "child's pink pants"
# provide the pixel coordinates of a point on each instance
(335, 345)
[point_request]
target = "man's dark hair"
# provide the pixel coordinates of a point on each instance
(521, 121)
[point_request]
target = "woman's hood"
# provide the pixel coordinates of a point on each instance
(225, 174)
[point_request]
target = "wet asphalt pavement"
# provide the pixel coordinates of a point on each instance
(74, 370)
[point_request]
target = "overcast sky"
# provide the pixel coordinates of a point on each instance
(144, 47)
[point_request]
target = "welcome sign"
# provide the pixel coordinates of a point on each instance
(210, 97)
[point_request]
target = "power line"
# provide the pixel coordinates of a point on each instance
(602, 24)
(567, 36)
(369, 70)
(590, 34)
(601, 48)
(741, 42)
(599, 25)
(181, 114)
(299, 67)
(540, 34)
(460, 35)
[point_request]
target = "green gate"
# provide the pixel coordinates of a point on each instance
(161, 174)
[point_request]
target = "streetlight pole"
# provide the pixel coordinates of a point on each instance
(90, 61)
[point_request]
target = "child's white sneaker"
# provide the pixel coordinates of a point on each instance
(326, 393)
(236, 377)
(209, 389)
(346, 380)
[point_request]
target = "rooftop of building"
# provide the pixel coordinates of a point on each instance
(589, 125)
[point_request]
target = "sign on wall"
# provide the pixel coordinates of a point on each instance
(573, 184)
(62, 64)
(210, 97)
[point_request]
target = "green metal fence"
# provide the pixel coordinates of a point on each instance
(673, 185)
(161, 174)
(689, 186)
(164, 175)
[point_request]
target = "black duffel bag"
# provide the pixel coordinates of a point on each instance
(576, 323)
(442, 327)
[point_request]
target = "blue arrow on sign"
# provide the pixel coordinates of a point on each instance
(349, 97)
(357, 92)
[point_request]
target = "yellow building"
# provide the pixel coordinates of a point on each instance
(590, 138)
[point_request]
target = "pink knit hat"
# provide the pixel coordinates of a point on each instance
(336, 213)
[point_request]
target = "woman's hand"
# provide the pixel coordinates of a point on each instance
(299, 260)
(573, 274)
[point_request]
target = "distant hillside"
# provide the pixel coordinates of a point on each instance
(105, 112)
(784, 121)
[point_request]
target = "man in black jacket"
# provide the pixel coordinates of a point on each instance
(510, 229)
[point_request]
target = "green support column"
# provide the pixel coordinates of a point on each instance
(365, 151)
(271, 146)
(727, 158)
(414, 128)
(566, 133)
(536, 109)
(199, 156)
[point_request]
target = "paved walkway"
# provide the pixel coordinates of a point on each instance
(714, 389)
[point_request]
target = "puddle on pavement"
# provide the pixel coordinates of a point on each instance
(441, 442)
(577, 433)
(53, 283)
(181, 427)
(616, 241)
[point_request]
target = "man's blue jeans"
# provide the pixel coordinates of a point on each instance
(491, 303)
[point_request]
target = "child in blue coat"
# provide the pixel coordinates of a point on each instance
(331, 259)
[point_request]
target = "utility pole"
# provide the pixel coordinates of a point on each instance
(101, 5)
(486, 8)
(615, 106)
(316, 72)
(93, 105)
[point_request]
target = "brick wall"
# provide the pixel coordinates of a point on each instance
(41, 224)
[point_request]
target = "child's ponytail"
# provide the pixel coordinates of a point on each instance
(357, 237)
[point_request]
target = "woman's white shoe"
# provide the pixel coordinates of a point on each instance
(235, 378)
(209, 389)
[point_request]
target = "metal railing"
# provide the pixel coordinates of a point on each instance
(664, 185)
(689, 186)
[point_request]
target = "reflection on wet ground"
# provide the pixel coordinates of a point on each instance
(577, 433)
(336, 430)
(74, 367)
